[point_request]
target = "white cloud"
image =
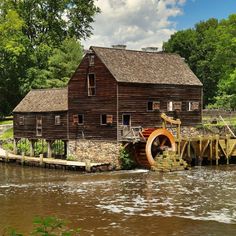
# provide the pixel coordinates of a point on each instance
(136, 23)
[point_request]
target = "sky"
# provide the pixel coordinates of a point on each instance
(149, 23)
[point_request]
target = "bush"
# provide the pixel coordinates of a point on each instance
(48, 226)
(126, 160)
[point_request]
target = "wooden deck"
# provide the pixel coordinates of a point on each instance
(53, 163)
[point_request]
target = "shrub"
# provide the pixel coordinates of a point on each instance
(126, 160)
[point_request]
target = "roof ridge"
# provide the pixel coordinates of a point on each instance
(48, 89)
(136, 50)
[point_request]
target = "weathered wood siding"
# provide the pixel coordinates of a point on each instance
(133, 100)
(50, 131)
(92, 107)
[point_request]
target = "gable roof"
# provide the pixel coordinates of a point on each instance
(146, 67)
(44, 100)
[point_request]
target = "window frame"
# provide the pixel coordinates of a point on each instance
(152, 105)
(80, 116)
(168, 106)
(106, 117)
(39, 126)
(89, 87)
(21, 120)
(57, 120)
(129, 119)
(190, 106)
(91, 59)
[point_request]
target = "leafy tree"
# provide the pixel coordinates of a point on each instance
(33, 33)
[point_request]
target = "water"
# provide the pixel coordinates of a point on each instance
(197, 202)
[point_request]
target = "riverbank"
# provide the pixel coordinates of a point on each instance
(51, 163)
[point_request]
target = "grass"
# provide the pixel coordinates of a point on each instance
(7, 134)
(6, 122)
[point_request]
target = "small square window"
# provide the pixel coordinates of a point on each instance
(153, 106)
(126, 119)
(106, 119)
(57, 120)
(177, 106)
(192, 106)
(21, 120)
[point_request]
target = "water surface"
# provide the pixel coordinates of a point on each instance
(197, 202)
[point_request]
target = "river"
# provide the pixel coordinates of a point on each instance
(201, 201)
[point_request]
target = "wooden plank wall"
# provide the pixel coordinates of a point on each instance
(133, 99)
(50, 131)
(92, 107)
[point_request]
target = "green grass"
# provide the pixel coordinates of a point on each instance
(7, 134)
(6, 122)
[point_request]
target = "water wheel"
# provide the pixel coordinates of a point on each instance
(159, 141)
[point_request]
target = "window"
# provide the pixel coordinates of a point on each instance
(170, 106)
(57, 120)
(126, 119)
(106, 119)
(177, 106)
(91, 85)
(91, 60)
(39, 125)
(78, 119)
(21, 120)
(193, 106)
(153, 106)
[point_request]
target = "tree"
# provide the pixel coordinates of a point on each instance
(13, 59)
(31, 32)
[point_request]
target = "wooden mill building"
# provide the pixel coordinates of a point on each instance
(111, 91)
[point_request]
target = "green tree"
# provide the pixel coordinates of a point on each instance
(31, 32)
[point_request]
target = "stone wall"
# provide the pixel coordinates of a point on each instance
(95, 151)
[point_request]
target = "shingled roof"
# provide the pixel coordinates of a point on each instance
(44, 100)
(146, 67)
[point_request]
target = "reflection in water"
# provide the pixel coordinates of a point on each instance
(197, 202)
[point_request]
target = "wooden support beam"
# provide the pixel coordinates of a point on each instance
(217, 149)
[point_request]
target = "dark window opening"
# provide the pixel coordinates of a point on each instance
(177, 106)
(126, 120)
(80, 119)
(91, 85)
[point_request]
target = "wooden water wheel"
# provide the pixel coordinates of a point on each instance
(158, 140)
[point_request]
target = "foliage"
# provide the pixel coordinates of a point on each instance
(48, 226)
(8, 134)
(6, 122)
(126, 160)
(34, 37)
(210, 50)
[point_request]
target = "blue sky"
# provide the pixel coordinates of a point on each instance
(199, 10)
(144, 23)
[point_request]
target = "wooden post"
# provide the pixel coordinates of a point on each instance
(227, 148)
(211, 149)
(217, 149)
(88, 165)
(32, 142)
(200, 151)
(7, 156)
(49, 143)
(22, 158)
(189, 148)
(41, 159)
(15, 146)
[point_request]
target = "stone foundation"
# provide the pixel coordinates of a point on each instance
(95, 151)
